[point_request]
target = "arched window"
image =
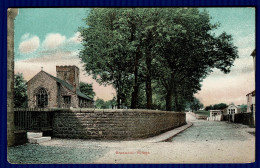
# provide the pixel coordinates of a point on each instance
(42, 98)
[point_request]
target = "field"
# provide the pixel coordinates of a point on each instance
(202, 112)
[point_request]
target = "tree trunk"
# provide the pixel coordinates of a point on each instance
(169, 101)
(134, 99)
(148, 62)
(118, 92)
(149, 101)
(176, 103)
(148, 82)
(118, 102)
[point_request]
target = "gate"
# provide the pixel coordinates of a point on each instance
(29, 119)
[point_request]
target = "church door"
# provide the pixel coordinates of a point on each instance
(42, 98)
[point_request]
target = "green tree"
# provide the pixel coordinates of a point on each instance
(243, 108)
(87, 89)
(20, 91)
(219, 106)
(207, 108)
(107, 50)
(101, 104)
(135, 48)
(195, 104)
(189, 50)
(112, 103)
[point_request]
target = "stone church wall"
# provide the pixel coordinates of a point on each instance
(114, 124)
(39, 81)
(66, 92)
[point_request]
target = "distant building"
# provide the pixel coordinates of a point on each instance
(215, 115)
(250, 101)
(47, 91)
(251, 96)
(232, 109)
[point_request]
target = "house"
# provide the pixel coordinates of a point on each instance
(47, 91)
(251, 96)
(250, 101)
(232, 109)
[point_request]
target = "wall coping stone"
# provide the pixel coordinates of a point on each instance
(93, 110)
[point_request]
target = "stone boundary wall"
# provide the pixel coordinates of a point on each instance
(114, 124)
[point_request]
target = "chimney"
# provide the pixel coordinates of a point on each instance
(70, 74)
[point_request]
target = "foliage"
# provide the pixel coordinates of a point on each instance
(87, 89)
(219, 106)
(210, 107)
(243, 108)
(20, 91)
(195, 104)
(101, 104)
(202, 112)
(150, 54)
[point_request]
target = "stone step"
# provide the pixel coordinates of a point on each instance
(34, 135)
(39, 140)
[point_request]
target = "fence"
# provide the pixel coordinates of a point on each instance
(30, 119)
(242, 118)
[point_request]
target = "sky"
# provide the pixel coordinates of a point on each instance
(46, 37)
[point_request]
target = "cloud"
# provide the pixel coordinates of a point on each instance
(77, 38)
(245, 52)
(226, 88)
(54, 56)
(25, 36)
(53, 40)
(247, 41)
(29, 45)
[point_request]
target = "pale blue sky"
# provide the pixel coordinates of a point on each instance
(42, 21)
(49, 36)
(240, 22)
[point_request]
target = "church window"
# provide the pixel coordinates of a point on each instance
(42, 98)
(65, 75)
(67, 101)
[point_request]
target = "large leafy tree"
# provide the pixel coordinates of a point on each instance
(219, 106)
(87, 89)
(20, 91)
(107, 55)
(189, 50)
(170, 48)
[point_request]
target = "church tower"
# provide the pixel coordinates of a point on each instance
(69, 74)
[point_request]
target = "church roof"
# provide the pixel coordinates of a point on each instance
(69, 86)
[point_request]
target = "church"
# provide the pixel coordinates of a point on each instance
(62, 91)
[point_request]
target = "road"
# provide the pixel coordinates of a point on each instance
(204, 142)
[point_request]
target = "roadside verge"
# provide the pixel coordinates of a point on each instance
(167, 135)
